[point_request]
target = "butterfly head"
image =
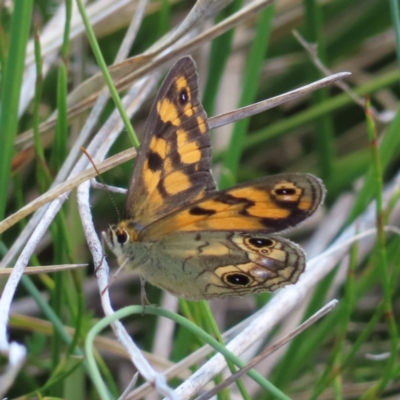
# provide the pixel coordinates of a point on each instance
(120, 235)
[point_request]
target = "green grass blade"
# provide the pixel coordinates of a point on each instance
(387, 149)
(324, 132)
(10, 92)
(394, 8)
(250, 87)
(106, 74)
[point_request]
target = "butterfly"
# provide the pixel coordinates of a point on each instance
(185, 236)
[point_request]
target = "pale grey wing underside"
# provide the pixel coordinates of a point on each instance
(204, 265)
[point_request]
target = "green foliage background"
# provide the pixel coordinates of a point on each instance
(326, 134)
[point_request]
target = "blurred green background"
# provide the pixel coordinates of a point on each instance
(352, 352)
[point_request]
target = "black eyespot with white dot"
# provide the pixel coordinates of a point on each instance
(183, 97)
(261, 242)
(237, 279)
(285, 192)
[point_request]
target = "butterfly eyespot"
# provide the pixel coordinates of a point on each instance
(237, 279)
(261, 242)
(122, 236)
(285, 192)
(183, 96)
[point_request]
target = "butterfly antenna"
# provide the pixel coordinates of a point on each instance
(106, 188)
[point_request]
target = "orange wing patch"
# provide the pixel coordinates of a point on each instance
(183, 84)
(176, 182)
(168, 112)
(202, 125)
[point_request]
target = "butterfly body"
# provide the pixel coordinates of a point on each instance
(184, 235)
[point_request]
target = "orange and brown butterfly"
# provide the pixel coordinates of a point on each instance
(185, 236)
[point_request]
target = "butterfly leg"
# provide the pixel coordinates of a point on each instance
(143, 296)
(103, 241)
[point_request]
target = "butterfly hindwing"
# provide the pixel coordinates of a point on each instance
(174, 161)
(268, 205)
(232, 263)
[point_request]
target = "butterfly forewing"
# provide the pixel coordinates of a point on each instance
(173, 167)
(268, 205)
